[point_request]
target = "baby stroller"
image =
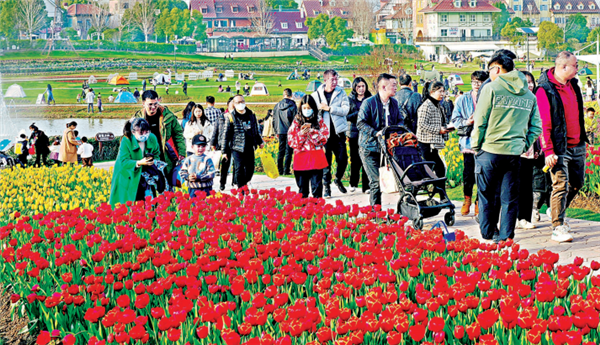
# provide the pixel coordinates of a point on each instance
(6, 161)
(417, 183)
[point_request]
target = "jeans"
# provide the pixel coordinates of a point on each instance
(312, 179)
(430, 154)
(567, 178)
(194, 191)
(335, 145)
(526, 189)
(356, 165)
(90, 106)
(497, 175)
(285, 152)
(243, 167)
(371, 163)
(468, 174)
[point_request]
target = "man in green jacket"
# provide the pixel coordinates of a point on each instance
(507, 122)
(164, 125)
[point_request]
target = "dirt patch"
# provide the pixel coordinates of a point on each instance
(11, 324)
(591, 203)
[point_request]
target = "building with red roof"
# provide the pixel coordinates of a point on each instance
(79, 17)
(332, 8)
(226, 15)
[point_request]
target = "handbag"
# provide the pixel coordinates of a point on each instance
(387, 181)
(464, 131)
(268, 164)
(32, 150)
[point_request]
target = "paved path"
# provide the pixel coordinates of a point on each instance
(586, 234)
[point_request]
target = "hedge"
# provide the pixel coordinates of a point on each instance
(164, 48)
(365, 50)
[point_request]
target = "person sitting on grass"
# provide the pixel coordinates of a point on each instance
(198, 169)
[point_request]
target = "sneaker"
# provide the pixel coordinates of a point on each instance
(536, 215)
(549, 213)
(561, 234)
(222, 187)
(327, 192)
(524, 224)
(340, 186)
(352, 189)
(368, 191)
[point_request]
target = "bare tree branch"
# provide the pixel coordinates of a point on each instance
(362, 14)
(123, 23)
(99, 17)
(144, 16)
(262, 21)
(31, 14)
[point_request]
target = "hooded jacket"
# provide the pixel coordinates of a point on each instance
(507, 121)
(283, 115)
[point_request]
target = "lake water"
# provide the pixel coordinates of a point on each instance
(86, 127)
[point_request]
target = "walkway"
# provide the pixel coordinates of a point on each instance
(586, 243)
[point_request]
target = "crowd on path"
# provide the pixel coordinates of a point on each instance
(523, 143)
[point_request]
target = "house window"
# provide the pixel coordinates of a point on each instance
(473, 3)
(444, 32)
(569, 7)
(489, 32)
(487, 18)
(235, 9)
(344, 12)
(544, 7)
(219, 9)
(208, 25)
(316, 12)
(592, 7)
(444, 18)
(250, 9)
(204, 10)
(473, 18)
(232, 23)
(420, 19)
(298, 25)
(332, 3)
(556, 6)
(457, 4)
(463, 18)
(284, 25)
(517, 7)
(580, 6)
(125, 6)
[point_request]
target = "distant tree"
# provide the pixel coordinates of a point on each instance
(549, 35)
(123, 23)
(8, 13)
(111, 35)
(199, 32)
(180, 23)
(69, 33)
(262, 20)
(593, 36)
(576, 27)
(316, 26)
(99, 16)
(499, 19)
(363, 17)
(144, 16)
(285, 4)
(336, 32)
(167, 5)
(510, 31)
(68, 3)
(520, 23)
(32, 15)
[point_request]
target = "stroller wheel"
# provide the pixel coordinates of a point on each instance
(418, 223)
(449, 218)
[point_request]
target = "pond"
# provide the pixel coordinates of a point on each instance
(86, 127)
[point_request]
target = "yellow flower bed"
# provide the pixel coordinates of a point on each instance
(42, 190)
(454, 161)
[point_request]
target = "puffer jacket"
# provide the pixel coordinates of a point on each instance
(234, 135)
(353, 115)
(371, 120)
(340, 106)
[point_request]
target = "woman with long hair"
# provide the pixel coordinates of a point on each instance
(431, 127)
(68, 146)
(307, 136)
(50, 95)
(138, 150)
(198, 124)
(360, 92)
(187, 113)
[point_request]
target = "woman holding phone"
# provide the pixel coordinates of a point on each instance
(307, 136)
(137, 151)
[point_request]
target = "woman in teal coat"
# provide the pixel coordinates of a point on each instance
(138, 149)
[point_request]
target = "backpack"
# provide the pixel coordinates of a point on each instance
(19, 148)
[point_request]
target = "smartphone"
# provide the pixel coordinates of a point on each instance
(149, 155)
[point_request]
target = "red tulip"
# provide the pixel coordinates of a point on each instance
(174, 334)
(417, 332)
(459, 332)
(202, 332)
(43, 338)
(436, 324)
(488, 318)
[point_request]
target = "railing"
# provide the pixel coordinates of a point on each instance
(461, 39)
(318, 53)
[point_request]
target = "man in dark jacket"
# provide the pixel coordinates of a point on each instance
(408, 101)
(283, 116)
(376, 113)
(41, 142)
(240, 139)
(563, 137)
(215, 141)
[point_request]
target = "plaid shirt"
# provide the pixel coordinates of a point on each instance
(213, 115)
(431, 119)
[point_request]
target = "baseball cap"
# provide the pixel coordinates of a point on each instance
(199, 139)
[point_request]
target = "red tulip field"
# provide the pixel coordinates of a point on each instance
(271, 268)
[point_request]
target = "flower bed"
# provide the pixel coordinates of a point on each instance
(271, 268)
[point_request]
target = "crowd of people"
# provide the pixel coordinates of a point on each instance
(523, 141)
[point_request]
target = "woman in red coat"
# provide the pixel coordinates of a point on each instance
(307, 136)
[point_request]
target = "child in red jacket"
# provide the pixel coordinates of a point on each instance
(307, 136)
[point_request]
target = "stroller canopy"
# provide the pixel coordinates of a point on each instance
(118, 80)
(125, 97)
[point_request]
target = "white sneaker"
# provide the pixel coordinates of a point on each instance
(524, 224)
(536, 215)
(368, 191)
(549, 213)
(561, 234)
(352, 189)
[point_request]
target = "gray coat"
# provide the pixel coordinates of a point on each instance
(409, 103)
(340, 106)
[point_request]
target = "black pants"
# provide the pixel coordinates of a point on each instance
(336, 145)
(243, 167)
(310, 180)
(432, 155)
(284, 156)
(43, 157)
(225, 164)
(526, 189)
(371, 163)
(356, 165)
(468, 174)
(22, 159)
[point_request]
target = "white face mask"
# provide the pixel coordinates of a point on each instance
(142, 137)
(307, 112)
(240, 106)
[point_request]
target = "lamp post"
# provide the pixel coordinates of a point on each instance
(594, 61)
(175, 52)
